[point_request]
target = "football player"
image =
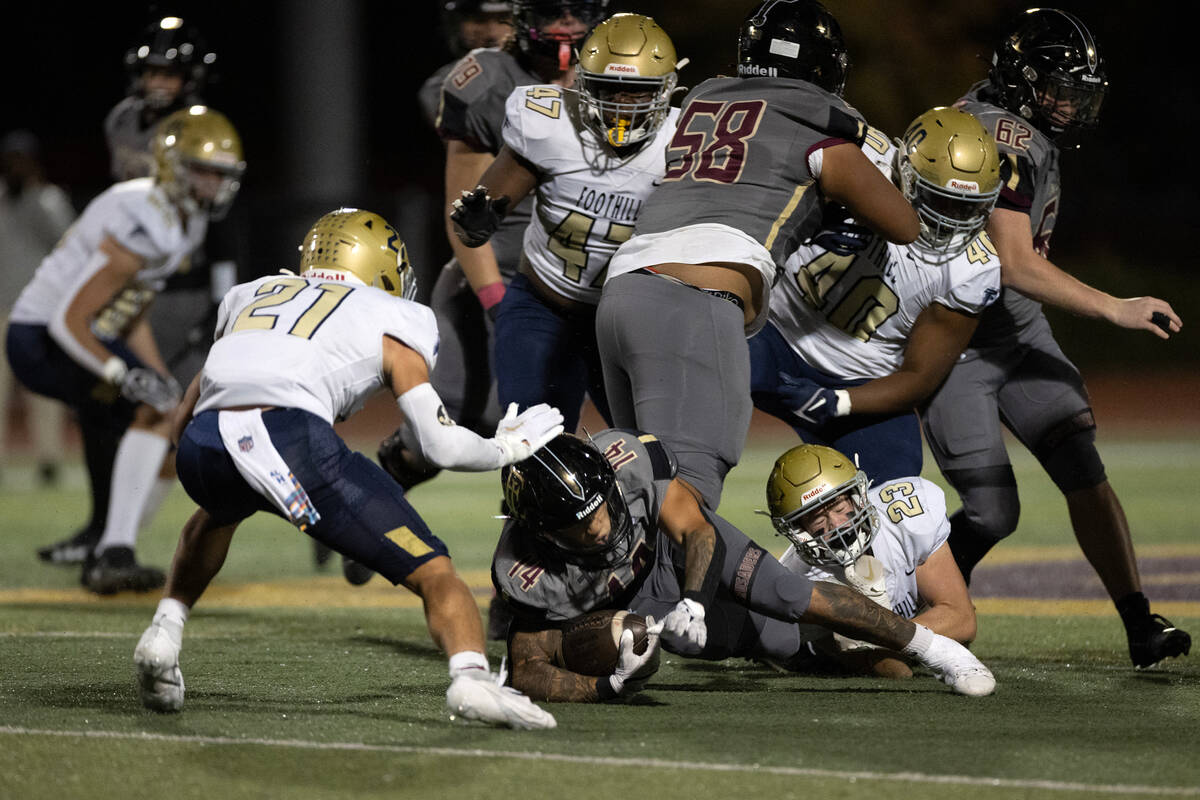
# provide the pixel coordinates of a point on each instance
(861, 330)
(607, 524)
(79, 331)
(590, 156)
(469, 120)
(887, 541)
(468, 25)
(751, 164)
(1047, 80)
(294, 354)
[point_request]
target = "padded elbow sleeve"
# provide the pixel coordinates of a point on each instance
(442, 442)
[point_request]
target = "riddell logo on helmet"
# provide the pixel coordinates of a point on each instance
(626, 69)
(963, 186)
(591, 506)
(754, 70)
(811, 493)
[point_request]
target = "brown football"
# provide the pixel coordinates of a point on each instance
(590, 642)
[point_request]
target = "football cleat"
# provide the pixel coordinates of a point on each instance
(73, 550)
(1155, 640)
(116, 569)
(957, 667)
(480, 697)
(157, 660)
(355, 573)
(321, 554)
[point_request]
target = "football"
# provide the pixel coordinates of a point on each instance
(590, 642)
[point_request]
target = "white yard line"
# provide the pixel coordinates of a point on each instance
(641, 763)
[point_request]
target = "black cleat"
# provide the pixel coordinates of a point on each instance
(1156, 639)
(74, 550)
(356, 573)
(399, 462)
(321, 554)
(116, 569)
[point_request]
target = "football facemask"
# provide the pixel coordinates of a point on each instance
(363, 244)
(198, 160)
(809, 479)
(626, 75)
(950, 171)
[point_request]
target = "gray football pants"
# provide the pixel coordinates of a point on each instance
(676, 365)
(756, 606)
(1031, 388)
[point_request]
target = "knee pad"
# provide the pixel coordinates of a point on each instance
(990, 503)
(1068, 453)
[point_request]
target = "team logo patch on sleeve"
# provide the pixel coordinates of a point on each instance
(444, 417)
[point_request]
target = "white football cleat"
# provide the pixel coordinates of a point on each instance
(958, 667)
(159, 679)
(479, 697)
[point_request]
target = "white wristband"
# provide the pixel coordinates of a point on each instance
(843, 402)
(115, 370)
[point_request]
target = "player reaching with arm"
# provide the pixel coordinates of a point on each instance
(603, 524)
(888, 542)
(751, 166)
(546, 34)
(293, 355)
(592, 155)
(863, 330)
(1047, 79)
(79, 332)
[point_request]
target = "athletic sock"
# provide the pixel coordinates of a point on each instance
(135, 471)
(171, 616)
(158, 494)
(1134, 609)
(467, 662)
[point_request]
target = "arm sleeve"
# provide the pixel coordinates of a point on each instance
(61, 334)
(443, 443)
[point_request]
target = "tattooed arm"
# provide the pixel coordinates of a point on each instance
(845, 611)
(534, 673)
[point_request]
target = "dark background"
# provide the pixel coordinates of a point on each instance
(323, 94)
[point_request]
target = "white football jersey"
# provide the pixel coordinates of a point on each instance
(310, 343)
(851, 316)
(588, 196)
(912, 525)
(140, 218)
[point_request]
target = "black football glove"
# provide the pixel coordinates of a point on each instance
(145, 386)
(807, 399)
(476, 216)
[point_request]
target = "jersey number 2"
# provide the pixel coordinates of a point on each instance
(282, 290)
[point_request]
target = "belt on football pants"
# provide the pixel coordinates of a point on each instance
(718, 293)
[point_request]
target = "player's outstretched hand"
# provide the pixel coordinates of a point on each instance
(1147, 314)
(630, 663)
(476, 216)
(521, 435)
(145, 386)
(685, 625)
(807, 399)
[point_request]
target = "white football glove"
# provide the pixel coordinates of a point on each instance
(144, 385)
(629, 662)
(685, 624)
(520, 435)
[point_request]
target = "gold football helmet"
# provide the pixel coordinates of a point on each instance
(950, 172)
(808, 478)
(191, 147)
(363, 244)
(626, 75)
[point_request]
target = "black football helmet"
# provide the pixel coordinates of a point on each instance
(793, 39)
(532, 20)
(171, 43)
(1049, 70)
(559, 486)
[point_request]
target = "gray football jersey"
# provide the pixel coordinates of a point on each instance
(429, 96)
(545, 591)
(471, 109)
(739, 157)
(1033, 189)
(127, 130)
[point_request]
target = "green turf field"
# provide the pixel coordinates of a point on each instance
(302, 687)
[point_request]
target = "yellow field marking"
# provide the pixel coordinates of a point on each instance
(1031, 607)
